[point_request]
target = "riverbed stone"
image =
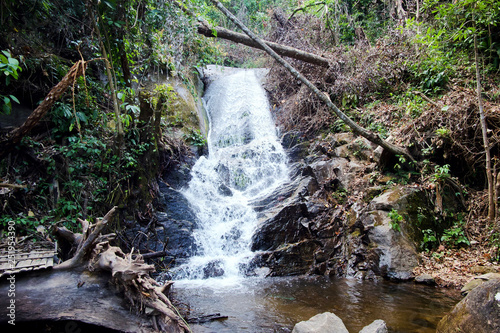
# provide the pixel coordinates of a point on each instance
(326, 322)
(378, 326)
(478, 312)
(425, 279)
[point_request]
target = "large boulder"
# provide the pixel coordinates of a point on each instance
(478, 312)
(393, 251)
(326, 322)
(397, 255)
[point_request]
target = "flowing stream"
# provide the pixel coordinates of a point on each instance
(245, 162)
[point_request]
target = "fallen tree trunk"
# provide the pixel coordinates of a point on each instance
(373, 137)
(15, 136)
(282, 50)
(70, 295)
(207, 30)
(78, 289)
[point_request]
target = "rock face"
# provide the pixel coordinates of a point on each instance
(478, 312)
(326, 322)
(315, 225)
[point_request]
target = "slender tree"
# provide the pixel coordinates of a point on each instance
(486, 144)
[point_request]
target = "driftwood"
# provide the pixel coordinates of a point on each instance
(207, 318)
(15, 136)
(78, 290)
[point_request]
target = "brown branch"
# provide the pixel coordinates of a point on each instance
(283, 50)
(13, 186)
(87, 244)
(17, 134)
(373, 137)
(204, 28)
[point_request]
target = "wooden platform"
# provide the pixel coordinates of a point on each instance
(24, 260)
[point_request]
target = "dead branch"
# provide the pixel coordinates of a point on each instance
(373, 137)
(13, 186)
(87, 243)
(205, 29)
(130, 274)
(15, 136)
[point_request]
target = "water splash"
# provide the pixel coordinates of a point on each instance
(245, 161)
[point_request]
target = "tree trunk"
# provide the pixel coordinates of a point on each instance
(486, 144)
(111, 81)
(323, 96)
(17, 134)
(287, 51)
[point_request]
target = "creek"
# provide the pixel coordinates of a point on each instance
(245, 163)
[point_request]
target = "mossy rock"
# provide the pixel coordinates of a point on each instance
(478, 312)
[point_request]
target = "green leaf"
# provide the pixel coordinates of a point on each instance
(14, 98)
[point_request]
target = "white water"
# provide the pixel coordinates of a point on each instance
(245, 161)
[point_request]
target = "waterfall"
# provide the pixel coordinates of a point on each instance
(245, 161)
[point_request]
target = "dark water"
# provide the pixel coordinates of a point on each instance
(277, 304)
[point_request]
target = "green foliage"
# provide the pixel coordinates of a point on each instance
(461, 20)
(455, 237)
(443, 132)
(9, 67)
(396, 219)
(441, 173)
(26, 223)
(429, 240)
(340, 195)
(195, 138)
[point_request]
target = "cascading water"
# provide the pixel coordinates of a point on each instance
(245, 161)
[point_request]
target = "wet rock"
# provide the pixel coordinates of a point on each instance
(291, 259)
(326, 322)
(378, 326)
(478, 312)
(178, 236)
(224, 190)
(425, 279)
(213, 269)
(176, 222)
(284, 227)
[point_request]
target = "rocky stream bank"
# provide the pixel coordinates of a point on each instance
(340, 215)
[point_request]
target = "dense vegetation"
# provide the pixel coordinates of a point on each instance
(404, 69)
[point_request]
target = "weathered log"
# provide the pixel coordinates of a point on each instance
(72, 295)
(17, 134)
(129, 275)
(283, 50)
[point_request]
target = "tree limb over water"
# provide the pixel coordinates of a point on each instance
(282, 50)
